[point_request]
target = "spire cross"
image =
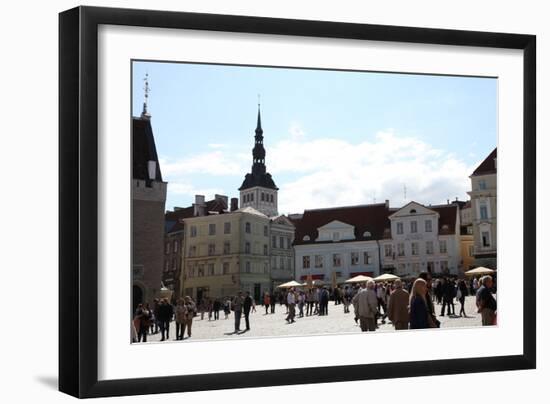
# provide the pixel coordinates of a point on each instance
(146, 90)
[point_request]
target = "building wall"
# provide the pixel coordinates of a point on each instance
(484, 196)
(246, 268)
(281, 253)
(327, 252)
(148, 205)
(173, 260)
(252, 197)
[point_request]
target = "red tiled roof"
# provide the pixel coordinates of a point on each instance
(488, 165)
(372, 218)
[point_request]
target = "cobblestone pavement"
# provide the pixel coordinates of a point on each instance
(336, 322)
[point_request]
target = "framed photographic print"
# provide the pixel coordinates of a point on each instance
(267, 201)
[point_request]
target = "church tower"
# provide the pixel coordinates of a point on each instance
(258, 189)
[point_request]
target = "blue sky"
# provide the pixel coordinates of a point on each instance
(332, 137)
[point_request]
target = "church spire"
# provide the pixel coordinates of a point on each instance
(145, 114)
(258, 152)
(259, 130)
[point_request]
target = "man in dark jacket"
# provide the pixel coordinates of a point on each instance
(248, 304)
(165, 313)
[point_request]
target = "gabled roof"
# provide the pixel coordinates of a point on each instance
(447, 218)
(252, 180)
(173, 218)
(252, 211)
(372, 218)
(143, 150)
(411, 204)
(488, 166)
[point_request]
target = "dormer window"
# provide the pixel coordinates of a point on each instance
(306, 238)
(367, 234)
(413, 211)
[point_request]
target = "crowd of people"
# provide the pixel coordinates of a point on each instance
(407, 305)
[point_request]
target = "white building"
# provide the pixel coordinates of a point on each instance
(423, 239)
(341, 242)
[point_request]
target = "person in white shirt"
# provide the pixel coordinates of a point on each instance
(291, 303)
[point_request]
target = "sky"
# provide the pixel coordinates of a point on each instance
(332, 138)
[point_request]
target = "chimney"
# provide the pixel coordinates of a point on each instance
(387, 203)
(447, 202)
(199, 207)
(222, 198)
(234, 204)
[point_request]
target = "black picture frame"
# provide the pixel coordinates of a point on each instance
(78, 200)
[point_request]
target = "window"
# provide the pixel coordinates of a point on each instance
(227, 247)
(265, 249)
(336, 260)
(429, 247)
(271, 198)
(174, 264)
(247, 267)
(210, 269)
(336, 236)
(399, 228)
(193, 251)
(483, 211)
(281, 263)
(444, 265)
(265, 231)
(289, 263)
(167, 250)
(318, 261)
(247, 247)
(273, 241)
(166, 264)
(306, 238)
(247, 227)
(175, 246)
(470, 250)
(401, 249)
(388, 250)
(252, 197)
(266, 269)
(414, 228)
(192, 272)
(193, 231)
(443, 246)
(470, 230)
(227, 228)
(354, 258)
(430, 266)
(428, 226)
(416, 268)
(211, 249)
(305, 261)
(281, 242)
(201, 270)
(288, 246)
(212, 229)
(486, 242)
(263, 197)
(367, 258)
(225, 268)
(482, 185)
(414, 248)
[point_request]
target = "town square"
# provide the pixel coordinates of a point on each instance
(277, 260)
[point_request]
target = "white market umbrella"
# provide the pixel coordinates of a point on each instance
(291, 284)
(386, 277)
(359, 279)
(480, 271)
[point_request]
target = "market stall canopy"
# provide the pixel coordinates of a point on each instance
(291, 284)
(385, 278)
(480, 271)
(359, 278)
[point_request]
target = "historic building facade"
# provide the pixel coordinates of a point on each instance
(281, 250)
(339, 242)
(484, 211)
(423, 239)
(148, 204)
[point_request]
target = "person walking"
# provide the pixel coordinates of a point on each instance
(291, 304)
(166, 311)
(180, 319)
(227, 308)
(141, 322)
(309, 302)
(189, 313)
(366, 303)
(301, 303)
(486, 303)
(398, 306)
(216, 307)
(273, 302)
(248, 304)
(419, 315)
(267, 302)
(461, 293)
(237, 306)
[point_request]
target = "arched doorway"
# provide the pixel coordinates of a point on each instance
(137, 297)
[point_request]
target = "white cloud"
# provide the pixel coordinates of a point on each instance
(334, 172)
(213, 163)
